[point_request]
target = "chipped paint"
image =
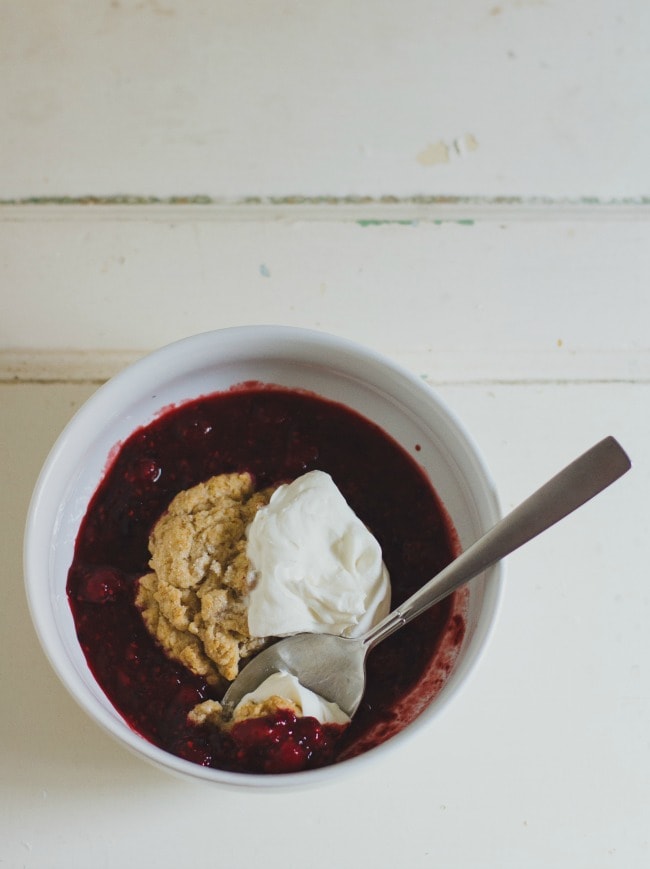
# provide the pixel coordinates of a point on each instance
(117, 199)
(376, 222)
(465, 221)
(465, 144)
(360, 200)
(444, 152)
(365, 211)
(435, 153)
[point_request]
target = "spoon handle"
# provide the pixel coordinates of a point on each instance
(565, 492)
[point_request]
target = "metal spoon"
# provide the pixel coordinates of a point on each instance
(334, 667)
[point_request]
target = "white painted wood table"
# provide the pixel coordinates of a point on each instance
(463, 186)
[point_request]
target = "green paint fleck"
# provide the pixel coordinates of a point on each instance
(368, 222)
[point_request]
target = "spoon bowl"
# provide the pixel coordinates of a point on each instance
(334, 667)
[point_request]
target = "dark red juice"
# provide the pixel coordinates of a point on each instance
(276, 434)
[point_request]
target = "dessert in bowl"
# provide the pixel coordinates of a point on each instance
(146, 585)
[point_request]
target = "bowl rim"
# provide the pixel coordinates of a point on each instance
(37, 550)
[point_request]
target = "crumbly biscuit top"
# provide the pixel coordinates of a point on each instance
(211, 712)
(194, 600)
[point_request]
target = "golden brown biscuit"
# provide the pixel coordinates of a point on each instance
(194, 601)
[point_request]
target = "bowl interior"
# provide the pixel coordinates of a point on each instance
(404, 406)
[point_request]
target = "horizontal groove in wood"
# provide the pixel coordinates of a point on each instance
(363, 210)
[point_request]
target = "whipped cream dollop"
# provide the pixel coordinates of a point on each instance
(287, 686)
(315, 566)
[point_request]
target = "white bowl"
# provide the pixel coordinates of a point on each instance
(402, 404)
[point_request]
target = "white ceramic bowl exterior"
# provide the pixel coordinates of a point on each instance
(402, 404)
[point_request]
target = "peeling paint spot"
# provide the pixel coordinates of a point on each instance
(433, 154)
(444, 152)
(465, 144)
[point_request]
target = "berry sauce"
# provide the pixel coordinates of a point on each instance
(276, 434)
